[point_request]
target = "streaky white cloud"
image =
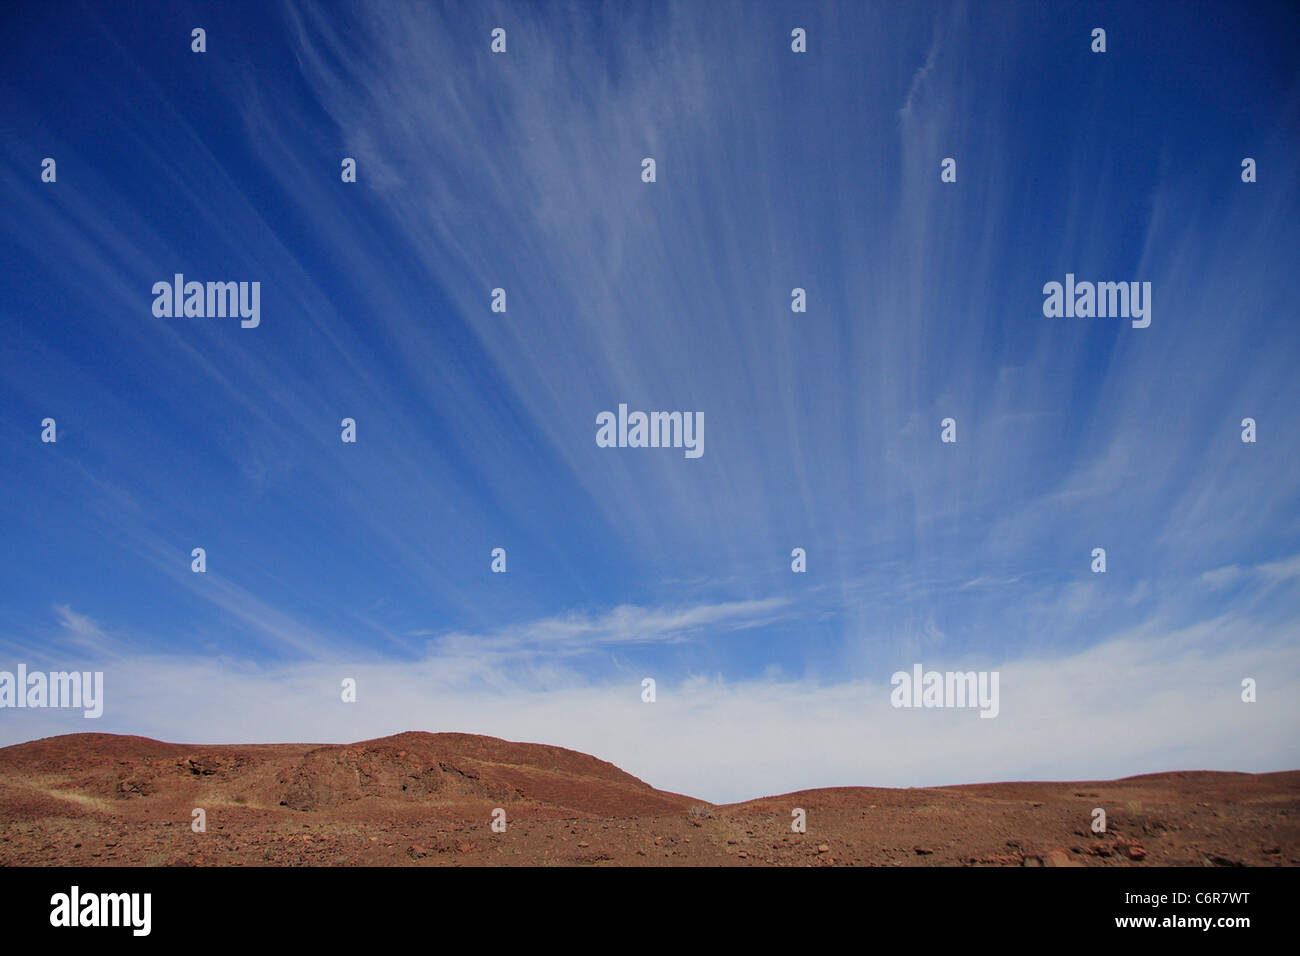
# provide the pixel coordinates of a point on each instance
(627, 624)
(80, 625)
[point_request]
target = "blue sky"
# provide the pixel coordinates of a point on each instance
(476, 429)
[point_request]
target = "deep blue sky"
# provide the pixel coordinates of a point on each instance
(477, 429)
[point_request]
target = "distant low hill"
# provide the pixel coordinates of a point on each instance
(425, 798)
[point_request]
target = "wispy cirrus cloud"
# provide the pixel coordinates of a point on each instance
(577, 633)
(82, 626)
(776, 171)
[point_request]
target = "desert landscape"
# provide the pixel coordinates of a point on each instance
(426, 799)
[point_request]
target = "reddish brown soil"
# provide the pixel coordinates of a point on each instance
(427, 799)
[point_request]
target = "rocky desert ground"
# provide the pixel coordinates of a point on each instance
(423, 799)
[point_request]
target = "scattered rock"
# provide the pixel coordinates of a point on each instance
(1060, 858)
